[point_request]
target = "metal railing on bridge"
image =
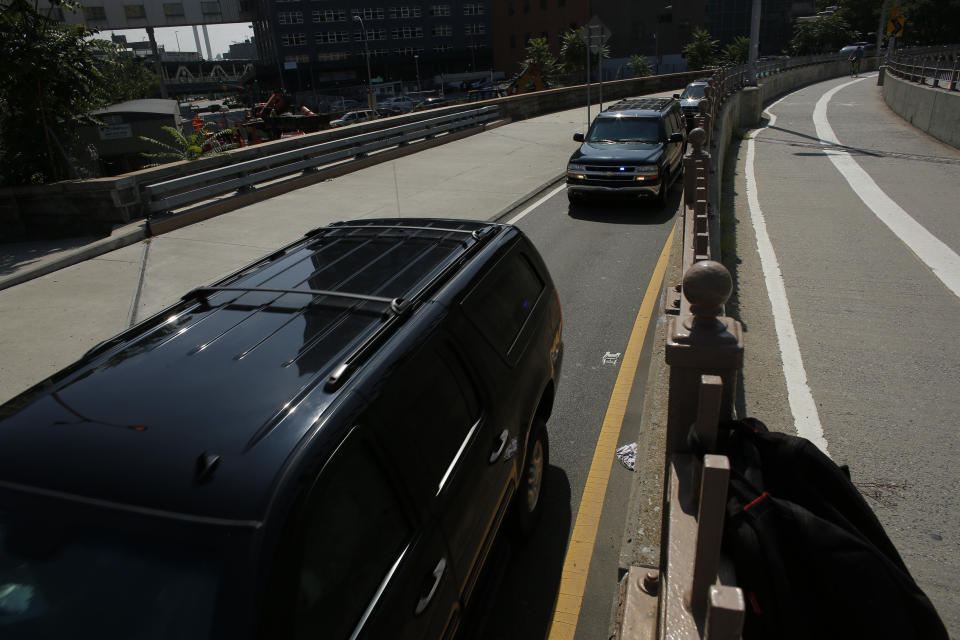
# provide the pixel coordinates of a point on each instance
(164, 197)
(930, 66)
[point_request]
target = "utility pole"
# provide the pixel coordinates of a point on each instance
(754, 41)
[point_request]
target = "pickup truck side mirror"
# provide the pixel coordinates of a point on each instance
(676, 96)
(676, 137)
(578, 137)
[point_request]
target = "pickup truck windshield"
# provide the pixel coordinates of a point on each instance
(625, 130)
(62, 579)
(693, 91)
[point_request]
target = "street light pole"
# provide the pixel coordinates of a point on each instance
(370, 100)
(416, 61)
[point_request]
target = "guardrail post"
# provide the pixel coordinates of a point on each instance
(703, 342)
(725, 614)
(953, 76)
(936, 73)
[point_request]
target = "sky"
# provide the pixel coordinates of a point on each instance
(221, 37)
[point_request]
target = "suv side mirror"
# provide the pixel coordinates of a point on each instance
(676, 96)
(578, 137)
(676, 137)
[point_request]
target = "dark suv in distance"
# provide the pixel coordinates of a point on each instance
(323, 444)
(633, 148)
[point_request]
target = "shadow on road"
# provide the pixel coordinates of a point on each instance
(627, 211)
(515, 597)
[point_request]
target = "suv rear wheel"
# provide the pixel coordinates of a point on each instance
(528, 503)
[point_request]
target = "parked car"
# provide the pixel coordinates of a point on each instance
(690, 99)
(324, 444)
(633, 148)
(869, 48)
(353, 117)
(431, 103)
(400, 104)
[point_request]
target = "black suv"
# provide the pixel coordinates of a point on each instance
(634, 147)
(323, 444)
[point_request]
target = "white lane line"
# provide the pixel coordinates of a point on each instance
(515, 219)
(937, 256)
(805, 416)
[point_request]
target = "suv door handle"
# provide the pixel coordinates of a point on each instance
(437, 575)
(504, 436)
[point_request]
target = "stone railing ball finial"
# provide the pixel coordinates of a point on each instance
(707, 285)
(704, 106)
(697, 138)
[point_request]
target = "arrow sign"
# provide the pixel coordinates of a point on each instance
(895, 24)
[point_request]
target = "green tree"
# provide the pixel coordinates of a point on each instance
(737, 52)
(540, 58)
(52, 75)
(573, 50)
(640, 66)
(701, 50)
(823, 35)
(202, 143)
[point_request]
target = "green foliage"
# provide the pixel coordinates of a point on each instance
(737, 52)
(51, 76)
(200, 144)
(825, 35)
(573, 50)
(540, 58)
(701, 50)
(640, 66)
(930, 21)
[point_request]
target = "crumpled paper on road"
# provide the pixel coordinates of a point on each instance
(627, 455)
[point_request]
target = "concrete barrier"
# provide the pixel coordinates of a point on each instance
(936, 111)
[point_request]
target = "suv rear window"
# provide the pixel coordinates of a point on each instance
(501, 304)
(68, 579)
(646, 130)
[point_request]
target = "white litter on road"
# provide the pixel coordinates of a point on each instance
(627, 455)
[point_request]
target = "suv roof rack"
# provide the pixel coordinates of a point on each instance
(635, 104)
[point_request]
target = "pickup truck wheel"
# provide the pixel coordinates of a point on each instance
(664, 188)
(528, 503)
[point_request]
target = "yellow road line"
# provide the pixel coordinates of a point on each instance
(573, 581)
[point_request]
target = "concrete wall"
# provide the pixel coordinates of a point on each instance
(936, 111)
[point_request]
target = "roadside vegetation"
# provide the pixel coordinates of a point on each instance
(53, 75)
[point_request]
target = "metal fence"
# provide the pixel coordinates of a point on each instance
(932, 66)
(164, 197)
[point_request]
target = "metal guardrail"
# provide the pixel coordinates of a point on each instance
(163, 197)
(932, 66)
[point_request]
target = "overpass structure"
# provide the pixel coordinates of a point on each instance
(848, 321)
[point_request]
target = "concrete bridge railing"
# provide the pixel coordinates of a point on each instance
(921, 86)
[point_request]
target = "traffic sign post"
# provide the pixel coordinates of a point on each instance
(595, 34)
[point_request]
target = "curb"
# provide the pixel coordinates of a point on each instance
(530, 196)
(130, 234)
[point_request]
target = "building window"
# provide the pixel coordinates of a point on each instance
(405, 12)
(375, 13)
(298, 58)
(473, 9)
(173, 9)
(475, 29)
(328, 37)
(332, 56)
(134, 11)
(372, 34)
(439, 10)
(408, 51)
(99, 13)
(329, 15)
(406, 33)
(293, 39)
(443, 48)
(210, 8)
(513, 41)
(290, 17)
(442, 30)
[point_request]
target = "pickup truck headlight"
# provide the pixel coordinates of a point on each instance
(573, 167)
(647, 170)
